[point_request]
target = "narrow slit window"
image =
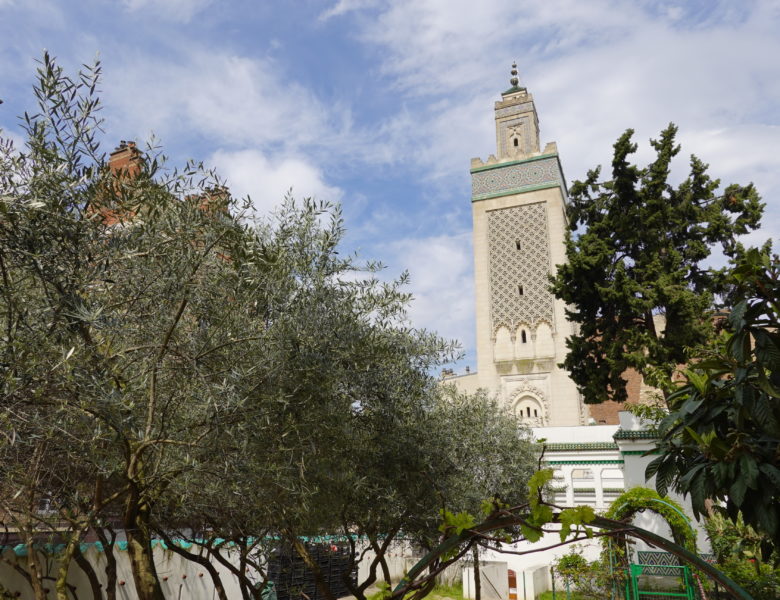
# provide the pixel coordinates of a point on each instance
(518, 245)
(536, 414)
(520, 289)
(528, 411)
(523, 337)
(517, 143)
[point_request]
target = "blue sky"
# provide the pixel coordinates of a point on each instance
(381, 105)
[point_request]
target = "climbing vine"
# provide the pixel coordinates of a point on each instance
(639, 499)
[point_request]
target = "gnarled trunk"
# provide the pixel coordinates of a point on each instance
(139, 548)
(319, 578)
(61, 583)
(248, 590)
(35, 570)
(203, 561)
(110, 570)
(89, 571)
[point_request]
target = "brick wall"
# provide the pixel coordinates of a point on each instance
(606, 413)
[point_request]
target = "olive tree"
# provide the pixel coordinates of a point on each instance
(173, 367)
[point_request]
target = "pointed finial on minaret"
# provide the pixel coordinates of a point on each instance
(514, 81)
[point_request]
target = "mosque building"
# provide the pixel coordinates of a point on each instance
(518, 199)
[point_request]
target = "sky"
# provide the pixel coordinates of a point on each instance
(380, 105)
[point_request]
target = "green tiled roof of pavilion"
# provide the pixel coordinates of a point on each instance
(577, 446)
(647, 434)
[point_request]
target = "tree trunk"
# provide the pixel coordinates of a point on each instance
(477, 575)
(248, 591)
(86, 566)
(319, 578)
(110, 570)
(139, 549)
(202, 561)
(35, 570)
(24, 573)
(380, 553)
(61, 583)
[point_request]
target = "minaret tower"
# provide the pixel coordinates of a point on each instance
(518, 203)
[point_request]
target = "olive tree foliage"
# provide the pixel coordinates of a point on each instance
(173, 366)
(447, 454)
(637, 254)
(721, 437)
(122, 351)
(343, 401)
(393, 461)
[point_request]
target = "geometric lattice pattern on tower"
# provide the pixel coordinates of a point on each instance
(511, 177)
(511, 268)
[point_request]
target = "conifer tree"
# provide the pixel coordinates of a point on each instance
(637, 253)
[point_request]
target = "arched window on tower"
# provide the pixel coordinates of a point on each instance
(517, 142)
(529, 411)
(523, 337)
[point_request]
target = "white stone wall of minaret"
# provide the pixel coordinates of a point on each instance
(518, 209)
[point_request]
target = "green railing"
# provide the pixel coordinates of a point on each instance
(634, 593)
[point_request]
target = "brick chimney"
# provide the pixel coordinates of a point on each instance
(125, 159)
(125, 165)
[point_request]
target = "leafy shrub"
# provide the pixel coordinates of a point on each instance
(738, 549)
(590, 580)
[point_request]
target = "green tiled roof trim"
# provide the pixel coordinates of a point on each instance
(585, 462)
(638, 452)
(648, 434)
(513, 162)
(520, 190)
(54, 549)
(513, 89)
(564, 446)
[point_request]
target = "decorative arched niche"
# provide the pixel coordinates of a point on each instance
(544, 340)
(503, 346)
(529, 406)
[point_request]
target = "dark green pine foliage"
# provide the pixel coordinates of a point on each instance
(637, 252)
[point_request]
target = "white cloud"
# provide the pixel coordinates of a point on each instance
(442, 284)
(16, 139)
(173, 10)
(595, 69)
(227, 98)
(345, 6)
(267, 180)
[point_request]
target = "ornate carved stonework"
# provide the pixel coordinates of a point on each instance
(527, 390)
(513, 101)
(509, 129)
(512, 110)
(512, 267)
(526, 387)
(515, 176)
